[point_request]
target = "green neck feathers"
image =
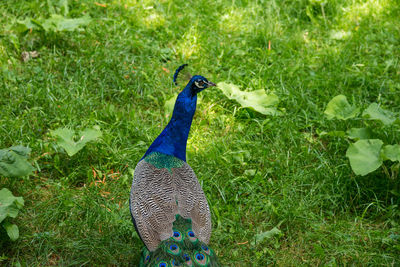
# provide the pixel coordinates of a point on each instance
(160, 161)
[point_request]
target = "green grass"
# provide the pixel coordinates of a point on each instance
(258, 172)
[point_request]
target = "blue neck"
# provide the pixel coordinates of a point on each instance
(173, 139)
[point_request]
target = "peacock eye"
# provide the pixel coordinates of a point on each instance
(199, 84)
(199, 256)
(177, 234)
(204, 247)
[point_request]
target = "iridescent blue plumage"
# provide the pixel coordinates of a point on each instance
(173, 139)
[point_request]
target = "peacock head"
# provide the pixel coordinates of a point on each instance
(199, 83)
(196, 84)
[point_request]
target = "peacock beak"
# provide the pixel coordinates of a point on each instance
(211, 84)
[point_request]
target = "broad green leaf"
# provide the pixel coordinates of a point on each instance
(391, 152)
(340, 108)
(9, 204)
(359, 133)
(59, 23)
(12, 230)
(365, 156)
(257, 100)
(24, 25)
(65, 139)
(266, 235)
(374, 112)
(13, 162)
(21, 150)
(333, 133)
(28, 24)
(169, 105)
(89, 135)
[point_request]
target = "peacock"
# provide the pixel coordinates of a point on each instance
(168, 206)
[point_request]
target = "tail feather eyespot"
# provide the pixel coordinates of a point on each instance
(173, 249)
(146, 260)
(205, 249)
(177, 236)
(201, 258)
(192, 237)
(188, 260)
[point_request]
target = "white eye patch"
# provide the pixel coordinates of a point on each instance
(200, 84)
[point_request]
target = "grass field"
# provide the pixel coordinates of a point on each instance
(258, 172)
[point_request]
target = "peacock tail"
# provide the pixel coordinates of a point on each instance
(182, 249)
